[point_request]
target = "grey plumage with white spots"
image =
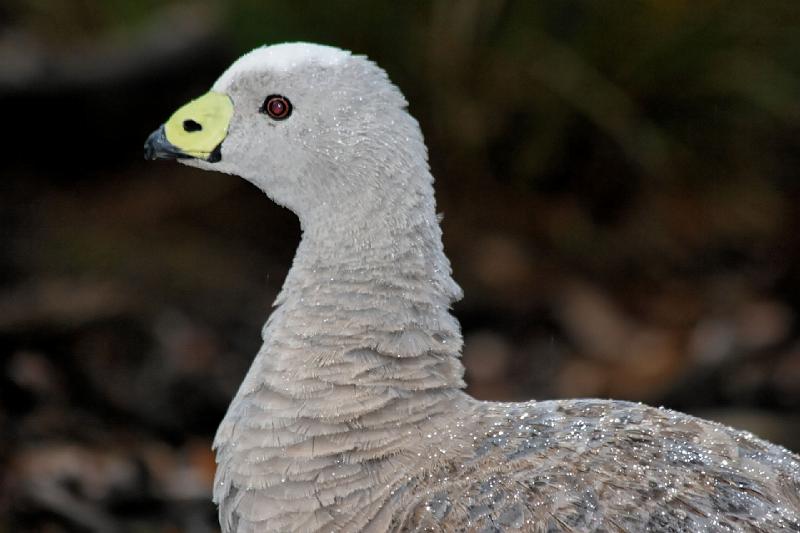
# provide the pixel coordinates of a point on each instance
(352, 416)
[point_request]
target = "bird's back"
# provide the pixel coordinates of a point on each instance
(595, 465)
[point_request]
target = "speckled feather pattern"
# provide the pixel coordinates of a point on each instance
(599, 465)
(352, 416)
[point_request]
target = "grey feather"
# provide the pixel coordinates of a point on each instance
(352, 416)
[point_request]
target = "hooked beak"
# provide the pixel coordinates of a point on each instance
(196, 130)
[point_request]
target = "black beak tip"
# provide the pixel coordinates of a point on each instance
(149, 149)
(158, 147)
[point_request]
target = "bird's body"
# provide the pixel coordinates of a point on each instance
(352, 416)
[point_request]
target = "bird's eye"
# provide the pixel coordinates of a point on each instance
(277, 107)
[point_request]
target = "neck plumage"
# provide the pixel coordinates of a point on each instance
(360, 358)
(365, 309)
(362, 323)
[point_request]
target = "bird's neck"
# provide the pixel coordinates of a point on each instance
(362, 333)
(359, 372)
(366, 310)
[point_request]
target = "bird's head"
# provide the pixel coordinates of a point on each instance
(313, 126)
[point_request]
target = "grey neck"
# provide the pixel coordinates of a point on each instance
(362, 324)
(359, 369)
(370, 306)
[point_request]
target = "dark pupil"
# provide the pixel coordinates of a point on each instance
(277, 107)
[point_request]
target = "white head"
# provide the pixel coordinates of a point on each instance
(319, 130)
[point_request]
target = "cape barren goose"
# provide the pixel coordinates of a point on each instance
(352, 416)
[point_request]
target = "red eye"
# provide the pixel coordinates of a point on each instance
(277, 107)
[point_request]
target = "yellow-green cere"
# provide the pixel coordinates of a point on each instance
(200, 126)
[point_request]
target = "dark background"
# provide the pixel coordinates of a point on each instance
(620, 187)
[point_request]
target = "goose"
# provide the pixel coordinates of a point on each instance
(353, 416)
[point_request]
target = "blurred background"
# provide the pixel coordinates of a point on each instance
(620, 188)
